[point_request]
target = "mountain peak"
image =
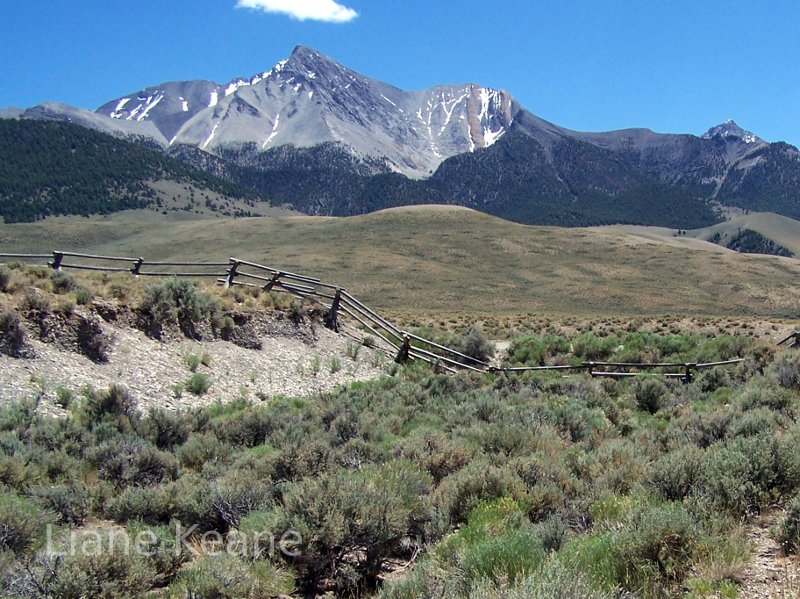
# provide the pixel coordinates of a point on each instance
(730, 129)
(305, 56)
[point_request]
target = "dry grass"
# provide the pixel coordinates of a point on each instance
(454, 262)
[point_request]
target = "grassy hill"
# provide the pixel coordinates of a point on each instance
(455, 260)
(780, 229)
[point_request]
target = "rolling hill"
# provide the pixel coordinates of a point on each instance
(450, 259)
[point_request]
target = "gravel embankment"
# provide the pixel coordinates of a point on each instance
(153, 371)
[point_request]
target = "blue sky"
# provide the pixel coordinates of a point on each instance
(670, 65)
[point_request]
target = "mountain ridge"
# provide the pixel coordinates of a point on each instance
(325, 139)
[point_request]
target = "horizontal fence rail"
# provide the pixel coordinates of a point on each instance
(403, 345)
(598, 369)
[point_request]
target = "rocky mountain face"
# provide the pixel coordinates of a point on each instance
(314, 134)
(310, 99)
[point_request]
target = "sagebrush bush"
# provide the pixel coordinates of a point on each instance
(105, 566)
(476, 344)
(744, 474)
(22, 523)
(62, 282)
(197, 384)
(787, 533)
(676, 474)
(237, 494)
(202, 448)
(165, 429)
(369, 512)
(655, 549)
(226, 576)
(70, 503)
(786, 369)
(132, 461)
(35, 303)
(114, 405)
(149, 504)
(554, 580)
(534, 350)
(83, 296)
(459, 493)
(176, 301)
(650, 394)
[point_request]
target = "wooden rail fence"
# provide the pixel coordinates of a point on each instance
(402, 344)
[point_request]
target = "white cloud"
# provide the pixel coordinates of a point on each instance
(316, 10)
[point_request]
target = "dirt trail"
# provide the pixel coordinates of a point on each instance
(770, 575)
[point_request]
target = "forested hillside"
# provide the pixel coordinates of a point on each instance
(55, 168)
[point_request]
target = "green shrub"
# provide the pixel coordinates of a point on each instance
(176, 301)
(786, 370)
(533, 350)
(83, 296)
(62, 282)
(64, 397)
(553, 580)
(106, 566)
(192, 361)
(69, 502)
(743, 474)
(35, 303)
(165, 429)
(497, 543)
(237, 494)
(760, 392)
(436, 453)
(113, 405)
(459, 493)
(677, 473)
(352, 522)
(787, 533)
(650, 394)
(200, 449)
(198, 384)
(476, 344)
(593, 348)
(593, 555)
(152, 505)
(132, 461)
(226, 576)
(655, 549)
(22, 523)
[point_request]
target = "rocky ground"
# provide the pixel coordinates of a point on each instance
(771, 574)
(295, 359)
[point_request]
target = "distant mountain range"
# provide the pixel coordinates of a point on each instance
(316, 135)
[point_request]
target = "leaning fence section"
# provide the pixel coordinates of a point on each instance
(336, 301)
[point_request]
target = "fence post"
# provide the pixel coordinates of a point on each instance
(332, 317)
(687, 377)
(403, 354)
(271, 283)
(137, 266)
(231, 273)
(590, 366)
(58, 257)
